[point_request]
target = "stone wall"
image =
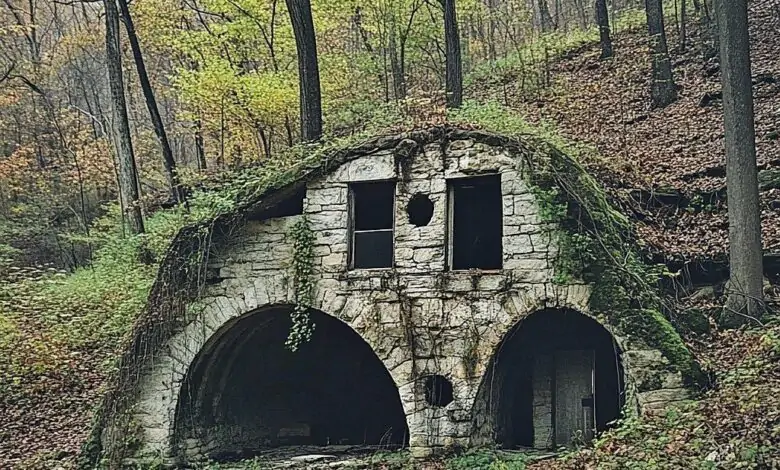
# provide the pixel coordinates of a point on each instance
(419, 318)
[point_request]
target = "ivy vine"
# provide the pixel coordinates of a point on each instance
(303, 268)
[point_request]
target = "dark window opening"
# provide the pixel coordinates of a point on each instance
(476, 210)
(420, 210)
(290, 206)
(438, 391)
(373, 209)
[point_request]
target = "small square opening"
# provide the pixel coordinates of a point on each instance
(372, 208)
(476, 223)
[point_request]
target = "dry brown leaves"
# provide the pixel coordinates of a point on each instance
(606, 104)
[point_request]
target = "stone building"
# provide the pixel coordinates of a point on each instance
(438, 319)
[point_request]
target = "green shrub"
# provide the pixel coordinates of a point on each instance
(487, 459)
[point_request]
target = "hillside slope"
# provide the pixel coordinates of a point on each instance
(672, 159)
(667, 166)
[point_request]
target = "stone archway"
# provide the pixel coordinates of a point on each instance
(557, 374)
(246, 392)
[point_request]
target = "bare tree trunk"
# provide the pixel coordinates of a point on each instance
(683, 28)
(493, 6)
(396, 65)
(200, 151)
(581, 16)
(710, 36)
(602, 17)
(127, 173)
(545, 20)
(454, 71)
(308, 69)
(662, 88)
(745, 294)
(169, 162)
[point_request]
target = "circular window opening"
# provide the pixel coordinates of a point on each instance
(420, 210)
(438, 391)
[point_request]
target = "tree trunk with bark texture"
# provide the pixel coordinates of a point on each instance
(308, 69)
(745, 295)
(169, 163)
(710, 35)
(662, 88)
(454, 71)
(683, 26)
(602, 18)
(200, 151)
(396, 66)
(127, 174)
(545, 20)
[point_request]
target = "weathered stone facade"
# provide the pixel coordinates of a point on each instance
(418, 317)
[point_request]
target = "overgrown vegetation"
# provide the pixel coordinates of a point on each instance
(596, 243)
(302, 327)
(487, 459)
(733, 426)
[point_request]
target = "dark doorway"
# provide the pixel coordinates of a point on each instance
(246, 392)
(476, 222)
(555, 379)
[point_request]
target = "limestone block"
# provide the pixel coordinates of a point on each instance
(327, 196)
(418, 185)
(517, 244)
(428, 255)
(644, 359)
(461, 144)
(491, 282)
(336, 236)
(667, 395)
(578, 297)
(514, 220)
(321, 250)
(438, 185)
(379, 166)
(328, 220)
(532, 276)
(525, 207)
(333, 304)
(672, 380)
(512, 183)
(509, 206)
(334, 260)
(527, 264)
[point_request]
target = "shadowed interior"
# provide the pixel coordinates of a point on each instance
(246, 392)
(508, 388)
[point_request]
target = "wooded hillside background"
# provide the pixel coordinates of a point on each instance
(631, 88)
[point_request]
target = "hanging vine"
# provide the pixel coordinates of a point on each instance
(303, 268)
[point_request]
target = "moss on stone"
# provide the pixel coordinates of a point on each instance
(596, 244)
(654, 328)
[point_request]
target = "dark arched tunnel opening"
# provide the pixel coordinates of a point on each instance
(555, 380)
(246, 392)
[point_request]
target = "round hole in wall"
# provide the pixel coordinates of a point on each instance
(420, 210)
(438, 390)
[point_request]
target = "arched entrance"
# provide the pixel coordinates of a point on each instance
(246, 392)
(555, 379)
